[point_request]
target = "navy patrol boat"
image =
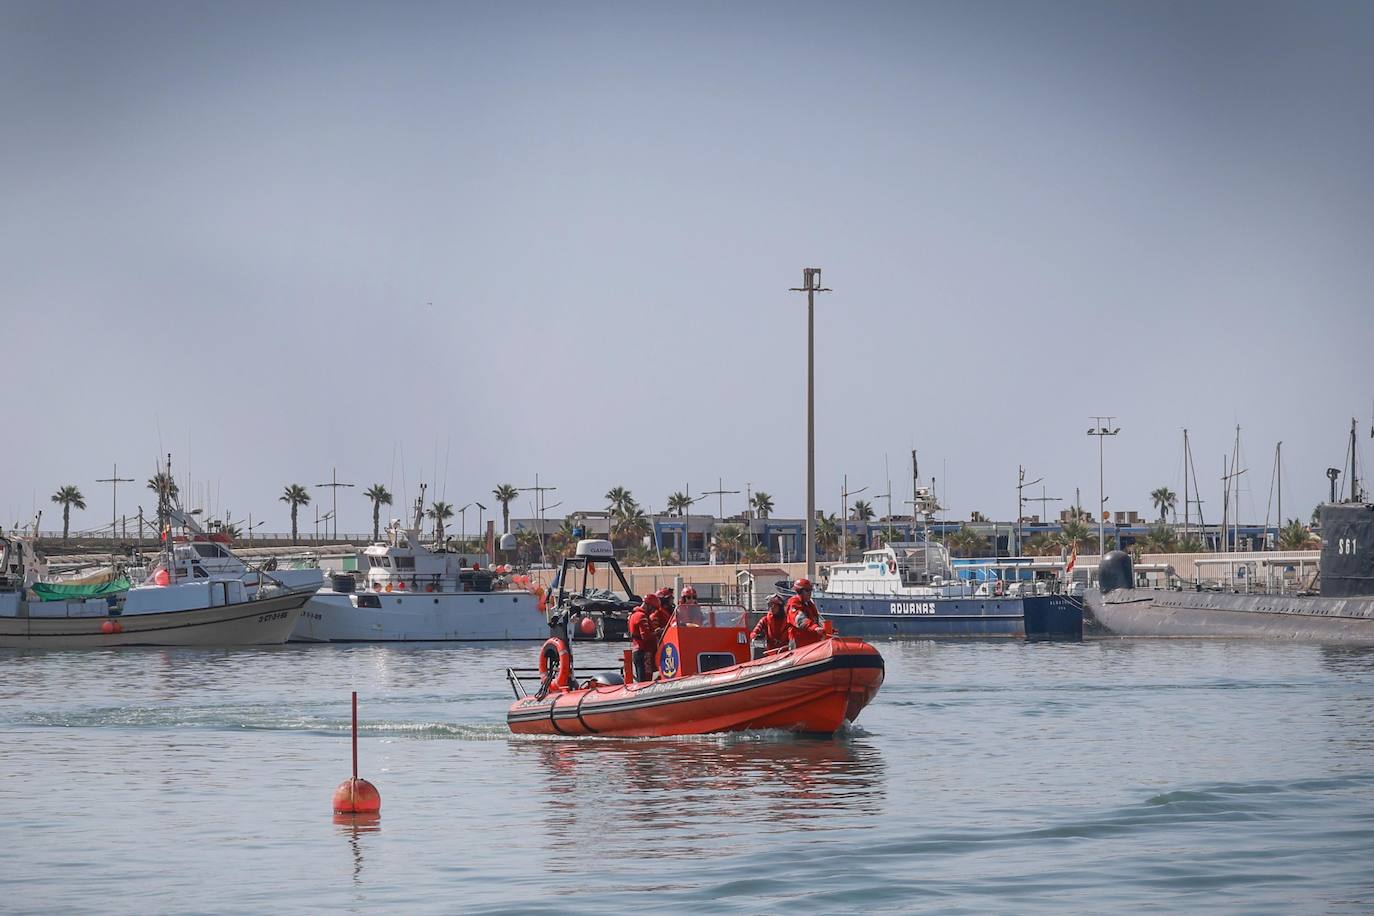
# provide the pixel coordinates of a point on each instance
(911, 589)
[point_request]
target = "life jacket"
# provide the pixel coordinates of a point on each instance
(641, 633)
(773, 631)
(803, 621)
(658, 622)
(689, 613)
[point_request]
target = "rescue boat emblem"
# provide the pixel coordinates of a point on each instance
(670, 660)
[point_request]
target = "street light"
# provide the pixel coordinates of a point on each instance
(1021, 484)
(811, 284)
(1103, 429)
(463, 522)
(845, 493)
(482, 532)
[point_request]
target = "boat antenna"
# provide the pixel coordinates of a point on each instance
(114, 480)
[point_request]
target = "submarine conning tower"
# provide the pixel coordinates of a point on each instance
(1347, 569)
(1115, 571)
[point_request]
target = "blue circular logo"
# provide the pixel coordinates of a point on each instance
(668, 664)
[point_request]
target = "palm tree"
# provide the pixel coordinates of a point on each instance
(165, 488)
(380, 497)
(1075, 534)
(729, 539)
(679, 503)
(757, 552)
(967, 542)
(1297, 536)
(1160, 539)
(630, 525)
(440, 512)
(1165, 500)
(1191, 544)
(762, 503)
(827, 533)
(505, 494)
(618, 500)
(69, 496)
(1040, 544)
(527, 544)
(862, 511)
(295, 496)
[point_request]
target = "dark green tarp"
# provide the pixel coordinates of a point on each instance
(55, 591)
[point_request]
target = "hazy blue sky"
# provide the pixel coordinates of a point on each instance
(559, 238)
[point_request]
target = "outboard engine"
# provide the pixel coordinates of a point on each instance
(1115, 571)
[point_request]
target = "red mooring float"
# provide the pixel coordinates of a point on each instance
(707, 681)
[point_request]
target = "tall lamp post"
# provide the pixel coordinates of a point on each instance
(1102, 430)
(1021, 484)
(845, 493)
(811, 284)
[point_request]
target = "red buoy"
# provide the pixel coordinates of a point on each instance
(111, 626)
(356, 796)
(587, 625)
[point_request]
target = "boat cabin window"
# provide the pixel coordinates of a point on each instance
(714, 661)
(405, 562)
(199, 571)
(379, 561)
(208, 550)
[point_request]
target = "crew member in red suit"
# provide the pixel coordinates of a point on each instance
(689, 612)
(772, 627)
(643, 640)
(665, 598)
(803, 620)
(661, 614)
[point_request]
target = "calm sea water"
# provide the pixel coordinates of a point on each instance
(986, 777)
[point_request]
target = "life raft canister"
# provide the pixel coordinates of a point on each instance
(555, 648)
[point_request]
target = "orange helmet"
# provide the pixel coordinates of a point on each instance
(689, 592)
(664, 592)
(651, 602)
(802, 585)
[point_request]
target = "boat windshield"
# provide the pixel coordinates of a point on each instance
(711, 616)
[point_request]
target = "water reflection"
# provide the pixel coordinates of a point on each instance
(679, 793)
(353, 826)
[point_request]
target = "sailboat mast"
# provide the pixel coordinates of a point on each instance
(1278, 481)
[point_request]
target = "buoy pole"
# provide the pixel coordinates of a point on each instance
(356, 796)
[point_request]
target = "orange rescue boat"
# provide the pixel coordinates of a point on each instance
(706, 682)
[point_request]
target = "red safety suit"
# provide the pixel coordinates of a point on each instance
(689, 613)
(773, 630)
(803, 621)
(641, 633)
(645, 644)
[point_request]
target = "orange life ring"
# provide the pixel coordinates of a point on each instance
(560, 649)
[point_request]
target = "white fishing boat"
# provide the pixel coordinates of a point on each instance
(179, 605)
(410, 592)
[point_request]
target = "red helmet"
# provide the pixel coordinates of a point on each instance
(689, 592)
(802, 585)
(651, 602)
(664, 592)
